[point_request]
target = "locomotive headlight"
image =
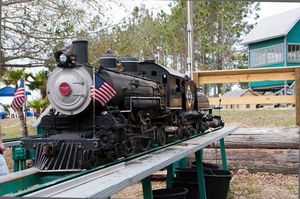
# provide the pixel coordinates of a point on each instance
(65, 59)
(62, 58)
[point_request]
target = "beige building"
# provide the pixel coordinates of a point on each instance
(239, 93)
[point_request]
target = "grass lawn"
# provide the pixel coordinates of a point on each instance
(277, 117)
(10, 127)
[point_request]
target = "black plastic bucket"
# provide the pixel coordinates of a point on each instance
(186, 173)
(170, 193)
(205, 165)
(216, 182)
(190, 184)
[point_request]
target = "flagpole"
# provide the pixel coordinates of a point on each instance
(94, 102)
(25, 110)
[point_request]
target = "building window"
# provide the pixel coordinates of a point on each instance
(294, 52)
(268, 55)
(275, 54)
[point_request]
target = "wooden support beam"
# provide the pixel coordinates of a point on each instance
(297, 89)
(282, 99)
(244, 75)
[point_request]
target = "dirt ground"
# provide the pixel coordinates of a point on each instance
(244, 185)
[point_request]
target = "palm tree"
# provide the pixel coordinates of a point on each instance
(39, 82)
(38, 104)
(11, 77)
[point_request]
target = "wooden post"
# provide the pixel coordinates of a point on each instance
(297, 95)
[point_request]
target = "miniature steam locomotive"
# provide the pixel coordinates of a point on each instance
(151, 103)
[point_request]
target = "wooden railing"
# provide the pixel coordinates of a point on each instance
(253, 75)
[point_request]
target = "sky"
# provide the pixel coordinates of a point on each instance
(271, 8)
(267, 9)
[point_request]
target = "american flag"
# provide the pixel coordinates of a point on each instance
(19, 97)
(103, 91)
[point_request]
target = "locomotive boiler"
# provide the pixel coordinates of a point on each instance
(137, 104)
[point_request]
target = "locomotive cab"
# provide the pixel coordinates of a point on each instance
(170, 80)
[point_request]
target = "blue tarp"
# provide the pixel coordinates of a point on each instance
(9, 91)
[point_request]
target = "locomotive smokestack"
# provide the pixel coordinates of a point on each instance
(80, 49)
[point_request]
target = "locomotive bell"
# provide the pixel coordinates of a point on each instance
(130, 63)
(108, 60)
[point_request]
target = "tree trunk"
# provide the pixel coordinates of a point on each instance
(220, 55)
(38, 112)
(23, 124)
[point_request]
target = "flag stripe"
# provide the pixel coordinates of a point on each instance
(100, 99)
(19, 97)
(110, 88)
(102, 92)
(97, 96)
(106, 93)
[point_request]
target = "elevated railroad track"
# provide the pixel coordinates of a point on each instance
(105, 180)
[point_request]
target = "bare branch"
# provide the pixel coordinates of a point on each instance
(8, 3)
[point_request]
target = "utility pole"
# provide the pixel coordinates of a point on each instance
(190, 58)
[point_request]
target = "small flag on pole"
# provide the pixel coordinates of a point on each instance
(19, 97)
(103, 91)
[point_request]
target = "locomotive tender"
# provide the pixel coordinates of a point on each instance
(151, 104)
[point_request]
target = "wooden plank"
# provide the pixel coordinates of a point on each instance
(262, 141)
(196, 79)
(137, 169)
(268, 155)
(245, 75)
(245, 78)
(263, 138)
(297, 89)
(283, 99)
(283, 131)
(247, 71)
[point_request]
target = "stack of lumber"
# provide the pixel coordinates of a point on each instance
(260, 149)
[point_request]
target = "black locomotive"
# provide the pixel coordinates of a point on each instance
(151, 104)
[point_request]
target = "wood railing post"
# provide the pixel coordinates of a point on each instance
(297, 95)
